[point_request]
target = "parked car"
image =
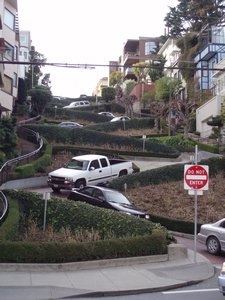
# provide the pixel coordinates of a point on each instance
(69, 124)
(78, 104)
(213, 236)
(221, 280)
(121, 118)
(106, 198)
(107, 114)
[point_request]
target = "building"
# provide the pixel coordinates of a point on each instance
(24, 52)
(9, 72)
(210, 63)
(139, 50)
(213, 107)
(102, 83)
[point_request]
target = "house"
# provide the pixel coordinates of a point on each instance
(139, 50)
(209, 61)
(102, 83)
(212, 107)
(9, 36)
(24, 52)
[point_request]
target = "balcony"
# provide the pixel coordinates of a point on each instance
(206, 54)
(131, 58)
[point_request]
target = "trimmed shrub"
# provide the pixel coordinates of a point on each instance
(34, 252)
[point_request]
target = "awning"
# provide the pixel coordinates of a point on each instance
(3, 108)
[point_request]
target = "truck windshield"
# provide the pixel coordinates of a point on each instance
(77, 164)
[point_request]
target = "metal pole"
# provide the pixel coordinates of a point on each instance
(196, 209)
(46, 197)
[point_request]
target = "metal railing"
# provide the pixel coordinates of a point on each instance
(8, 166)
(4, 207)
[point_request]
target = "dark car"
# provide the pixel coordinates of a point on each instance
(106, 198)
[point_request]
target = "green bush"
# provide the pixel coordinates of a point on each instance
(34, 252)
(82, 136)
(38, 165)
(9, 229)
(63, 213)
(164, 174)
(121, 235)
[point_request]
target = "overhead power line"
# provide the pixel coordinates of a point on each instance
(93, 66)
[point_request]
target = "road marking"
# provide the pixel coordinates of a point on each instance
(191, 291)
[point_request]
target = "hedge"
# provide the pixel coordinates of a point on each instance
(55, 252)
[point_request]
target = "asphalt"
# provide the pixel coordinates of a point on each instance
(105, 277)
(102, 278)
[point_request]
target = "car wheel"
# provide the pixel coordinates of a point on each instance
(56, 189)
(213, 245)
(80, 184)
(122, 173)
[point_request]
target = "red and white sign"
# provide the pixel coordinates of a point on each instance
(196, 177)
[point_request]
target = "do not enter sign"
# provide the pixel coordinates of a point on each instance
(196, 177)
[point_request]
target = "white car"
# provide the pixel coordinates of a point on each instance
(69, 124)
(121, 118)
(78, 104)
(221, 280)
(213, 236)
(107, 114)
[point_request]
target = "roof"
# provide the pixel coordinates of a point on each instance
(89, 156)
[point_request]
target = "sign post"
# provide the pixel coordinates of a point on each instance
(196, 179)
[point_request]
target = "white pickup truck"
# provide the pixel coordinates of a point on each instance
(90, 169)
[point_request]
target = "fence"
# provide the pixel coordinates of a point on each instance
(3, 206)
(8, 166)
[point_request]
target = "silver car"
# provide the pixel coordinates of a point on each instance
(221, 280)
(213, 236)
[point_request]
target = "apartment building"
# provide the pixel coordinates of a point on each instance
(102, 83)
(212, 107)
(24, 52)
(210, 63)
(9, 72)
(139, 50)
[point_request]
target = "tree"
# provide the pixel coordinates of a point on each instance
(34, 71)
(193, 16)
(148, 97)
(217, 124)
(115, 78)
(40, 96)
(108, 94)
(128, 86)
(166, 88)
(7, 137)
(46, 80)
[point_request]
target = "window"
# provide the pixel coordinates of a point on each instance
(9, 19)
(150, 48)
(95, 164)
(9, 53)
(8, 83)
(103, 162)
(15, 53)
(14, 79)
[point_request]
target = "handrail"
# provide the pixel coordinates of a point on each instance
(4, 204)
(8, 165)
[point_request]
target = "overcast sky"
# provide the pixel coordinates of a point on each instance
(87, 32)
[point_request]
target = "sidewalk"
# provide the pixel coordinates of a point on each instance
(103, 278)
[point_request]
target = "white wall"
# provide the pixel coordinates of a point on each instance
(211, 108)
